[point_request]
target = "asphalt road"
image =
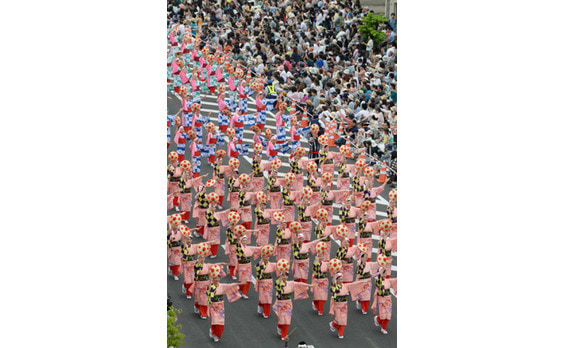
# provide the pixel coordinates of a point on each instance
(244, 327)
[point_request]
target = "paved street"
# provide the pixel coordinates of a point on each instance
(244, 327)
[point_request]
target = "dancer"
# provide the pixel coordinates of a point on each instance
(263, 285)
(319, 279)
(189, 255)
(174, 237)
(262, 224)
(244, 255)
(283, 304)
(382, 297)
(201, 281)
(339, 305)
(214, 293)
(364, 271)
(211, 229)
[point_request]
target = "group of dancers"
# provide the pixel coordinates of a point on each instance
(298, 204)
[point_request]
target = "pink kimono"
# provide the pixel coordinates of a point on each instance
(257, 183)
(244, 270)
(284, 251)
(321, 289)
(188, 266)
(217, 309)
(348, 268)
(361, 291)
(340, 309)
(264, 287)
(274, 199)
(283, 308)
(300, 267)
(199, 287)
(174, 253)
(211, 234)
(263, 233)
(199, 214)
(234, 197)
(384, 303)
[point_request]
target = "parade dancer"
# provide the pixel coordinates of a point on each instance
(288, 197)
(339, 306)
(271, 148)
(345, 253)
(196, 150)
(211, 229)
(211, 141)
(295, 158)
(186, 112)
(198, 121)
(273, 184)
(257, 175)
(219, 175)
(300, 254)
(244, 203)
(173, 176)
(189, 255)
(174, 242)
(319, 278)
(195, 83)
(214, 293)
(385, 244)
(364, 234)
(346, 219)
(282, 245)
(263, 285)
(326, 199)
(170, 58)
(232, 187)
(325, 159)
(237, 124)
(262, 224)
(243, 90)
(304, 203)
(280, 130)
(283, 304)
(212, 78)
(180, 140)
(201, 281)
(383, 298)
(177, 65)
(201, 204)
(321, 231)
(169, 120)
(392, 212)
(364, 271)
(314, 145)
(244, 255)
(343, 181)
(232, 146)
(358, 189)
(294, 134)
(223, 121)
(185, 184)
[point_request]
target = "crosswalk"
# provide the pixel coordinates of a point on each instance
(209, 108)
